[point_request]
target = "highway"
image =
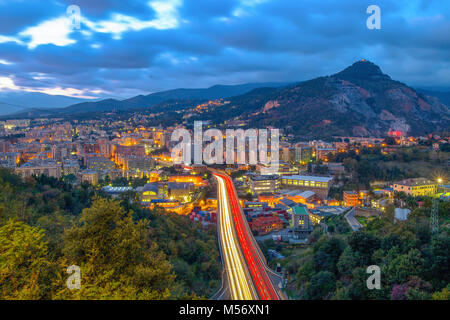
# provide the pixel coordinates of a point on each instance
(246, 274)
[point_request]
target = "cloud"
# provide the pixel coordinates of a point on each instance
(54, 31)
(8, 84)
(166, 18)
(5, 62)
(136, 47)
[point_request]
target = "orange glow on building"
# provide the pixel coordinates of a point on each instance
(271, 200)
(154, 177)
(196, 180)
(333, 202)
(173, 206)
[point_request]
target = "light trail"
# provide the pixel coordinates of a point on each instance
(245, 267)
(240, 288)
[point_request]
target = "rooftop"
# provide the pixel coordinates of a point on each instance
(308, 178)
(415, 182)
(300, 210)
(264, 177)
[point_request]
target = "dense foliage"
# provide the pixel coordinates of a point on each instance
(123, 250)
(414, 263)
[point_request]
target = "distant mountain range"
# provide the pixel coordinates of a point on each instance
(19, 101)
(360, 100)
(146, 101)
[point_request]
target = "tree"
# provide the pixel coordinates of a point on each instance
(116, 257)
(327, 252)
(400, 268)
(440, 260)
(444, 294)
(347, 262)
(320, 286)
(25, 270)
(364, 244)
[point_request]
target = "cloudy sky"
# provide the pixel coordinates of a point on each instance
(120, 48)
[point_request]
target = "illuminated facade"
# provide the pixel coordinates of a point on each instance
(264, 184)
(351, 199)
(416, 187)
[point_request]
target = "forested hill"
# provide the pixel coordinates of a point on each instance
(124, 252)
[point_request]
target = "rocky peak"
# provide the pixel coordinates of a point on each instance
(362, 70)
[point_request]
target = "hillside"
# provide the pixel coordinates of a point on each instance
(19, 101)
(146, 101)
(360, 100)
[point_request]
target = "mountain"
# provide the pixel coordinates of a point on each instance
(443, 94)
(18, 101)
(141, 101)
(360, 100)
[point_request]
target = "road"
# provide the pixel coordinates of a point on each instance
(246, 275)
(350, 217)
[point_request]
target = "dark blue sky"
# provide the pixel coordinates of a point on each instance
(124, 48)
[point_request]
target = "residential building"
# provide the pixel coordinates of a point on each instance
(89, 176)
(264, 225)
(99, 163)
(37, 168)
(351, 198)
(416, 187)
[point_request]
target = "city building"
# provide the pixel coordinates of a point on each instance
(265, 225)
(195, 179)
(180, 191)
(351, 198)
(116, 191)
(300, 222)
(320, 185)
(323, 153)
(99, 163)
(264, 184)
(303, 154)
(37, 168)
(150, 191)
(89, 176)
(9, 159)
(416, 187)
